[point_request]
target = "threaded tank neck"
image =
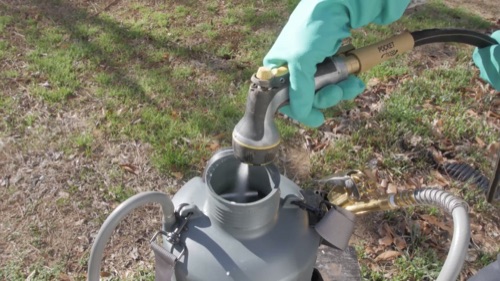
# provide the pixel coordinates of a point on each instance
(253, 214)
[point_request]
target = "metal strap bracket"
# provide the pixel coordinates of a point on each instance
(165, 260)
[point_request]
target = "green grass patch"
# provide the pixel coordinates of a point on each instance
(5, 20)
(118, 193)
(83, 142)
(12, 271)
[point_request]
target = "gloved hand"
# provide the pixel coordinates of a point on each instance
(488, 61)
(315, 31)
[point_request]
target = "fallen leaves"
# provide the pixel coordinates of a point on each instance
(388, 239)
(435, 221)
(214, 145)
(389, 255)
(480, 142)
(437, 128)
(400, 243)
(320, 141)
(129, 168)
(178, 175)
(397, 237)
(392, 188)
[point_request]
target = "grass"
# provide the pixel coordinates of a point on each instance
(423, 265)
(175, 75)
(37, 271)
(84, 143)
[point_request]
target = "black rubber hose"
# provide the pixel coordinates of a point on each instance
(464, 36)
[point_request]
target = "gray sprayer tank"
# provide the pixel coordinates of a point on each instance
(266, 238)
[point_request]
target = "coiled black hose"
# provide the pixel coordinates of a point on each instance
(446, 35)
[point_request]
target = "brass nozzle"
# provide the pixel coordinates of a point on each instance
(393, 201)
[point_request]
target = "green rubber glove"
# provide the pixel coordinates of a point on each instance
(488, 61)
(315, 31)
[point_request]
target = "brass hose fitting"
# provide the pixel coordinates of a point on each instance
(392, 201)
(407, 198)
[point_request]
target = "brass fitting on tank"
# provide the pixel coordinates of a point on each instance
(345, 187)
(392, 201)
(348, 188)
(352, 189)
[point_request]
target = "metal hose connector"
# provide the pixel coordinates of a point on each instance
(426, 196)
(461, 228)
(433, 197)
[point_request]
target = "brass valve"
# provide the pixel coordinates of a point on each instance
(351, 191)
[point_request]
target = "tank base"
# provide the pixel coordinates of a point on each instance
(338, 265)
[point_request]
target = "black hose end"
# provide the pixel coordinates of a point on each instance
(474, 38)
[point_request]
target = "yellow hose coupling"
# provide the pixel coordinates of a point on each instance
(392, 201)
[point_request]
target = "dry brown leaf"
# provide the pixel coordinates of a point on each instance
(480, 142)
(134, 253)
(471, 113)
(385, 241)
(471, 256)
(365, 115)
(428, 105)
(415, 140)
(371, 174)
(400, 243)
(219, 136)
(421, 225)
(175, 114)
(214, 145)
(436, 155)
(381, 230)
(389, 255)
(388, 229)
(63, 277)
(392, 189)
(372, 82)
(441, 180)
(433, 220)
(493, 114)
(415, 182)
(476, 227)
(129, 168)
(437, 127)
(385, 230)
(178, 175)
(384, 183)
(493, 148)
(478, 238)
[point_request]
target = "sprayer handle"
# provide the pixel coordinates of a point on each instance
(255, 137)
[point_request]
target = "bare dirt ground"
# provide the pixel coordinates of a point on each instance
(485, 8)
(53, 200)
(51, 197)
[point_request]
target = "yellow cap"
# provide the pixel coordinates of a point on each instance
(264, 73)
